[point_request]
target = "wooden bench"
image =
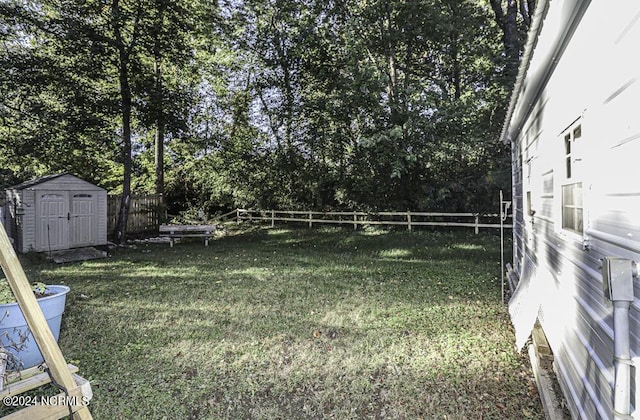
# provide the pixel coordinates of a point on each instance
(185, 231)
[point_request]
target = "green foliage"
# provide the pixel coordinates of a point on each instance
(6, 295)
(290, 104)
(53, 116)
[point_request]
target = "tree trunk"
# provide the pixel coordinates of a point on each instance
(511, 39)
(456, 67)
(159, 104)
(160, 127)
(125, 92)
(159, 158)
(125, 97)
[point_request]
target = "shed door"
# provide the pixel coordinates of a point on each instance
(83, 227)
(52, 225)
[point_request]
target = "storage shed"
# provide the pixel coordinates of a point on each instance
(574, 129)
(56, 212)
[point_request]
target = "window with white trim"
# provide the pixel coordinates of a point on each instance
(572, 211)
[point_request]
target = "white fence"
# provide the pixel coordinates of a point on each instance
(356, 218)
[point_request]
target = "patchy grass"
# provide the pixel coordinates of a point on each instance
(286, 323)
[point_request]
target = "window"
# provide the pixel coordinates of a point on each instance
(567, 148)
(572, 211)
(547, 184)
(572, 207)
(569, 139)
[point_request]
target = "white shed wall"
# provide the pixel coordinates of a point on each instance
(27, 237)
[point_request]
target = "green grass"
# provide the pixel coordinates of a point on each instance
(287, 323)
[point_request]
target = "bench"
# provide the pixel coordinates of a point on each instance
(185, 231)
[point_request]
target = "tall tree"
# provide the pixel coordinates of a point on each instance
(373, 104)
(125, 25)
(158, 97)
(514, 18)
(93, 58)
(53, 116)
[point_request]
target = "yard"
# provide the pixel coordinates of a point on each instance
(296, 323)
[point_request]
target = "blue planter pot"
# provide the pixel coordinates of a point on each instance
(16, 337)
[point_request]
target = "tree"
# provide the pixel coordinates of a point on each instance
(375, 104)
(86, 67)
(52, 116)
(514, 19)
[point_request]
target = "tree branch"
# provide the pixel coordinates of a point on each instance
(525, 12)
(496, 5)
(531, 7)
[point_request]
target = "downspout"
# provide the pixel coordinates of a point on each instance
(635, 362)
(617, 281)
(622, 361)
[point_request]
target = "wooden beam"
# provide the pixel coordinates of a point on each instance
(36, 320)
(53, 407)
(28, 379)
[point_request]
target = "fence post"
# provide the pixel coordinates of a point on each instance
(310, 219)
(355, 219)
(502, 211)
(238, 216)
(273, 220)
(477, 221)
(409, 220)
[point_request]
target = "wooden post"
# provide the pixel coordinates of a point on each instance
(238, 216)
(4, 355)
(273, 219)
(477, 221)
(355, 219)
(37, 323)
(409, 221)
(310, 219)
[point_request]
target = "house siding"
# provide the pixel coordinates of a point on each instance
(594, 83)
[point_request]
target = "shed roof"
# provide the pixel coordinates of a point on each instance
(37, 181)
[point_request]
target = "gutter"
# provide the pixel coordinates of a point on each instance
(529, 92)
(532, 40)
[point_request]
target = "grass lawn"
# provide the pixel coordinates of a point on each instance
(295, 323)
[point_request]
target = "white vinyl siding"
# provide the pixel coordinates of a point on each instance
(581, 103)
(59, 213)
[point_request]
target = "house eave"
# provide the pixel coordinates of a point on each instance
(530, 83)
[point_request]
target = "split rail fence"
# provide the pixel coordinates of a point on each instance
(355, 218)
(144, 217)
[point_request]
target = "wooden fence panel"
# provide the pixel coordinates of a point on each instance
(143, 213)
